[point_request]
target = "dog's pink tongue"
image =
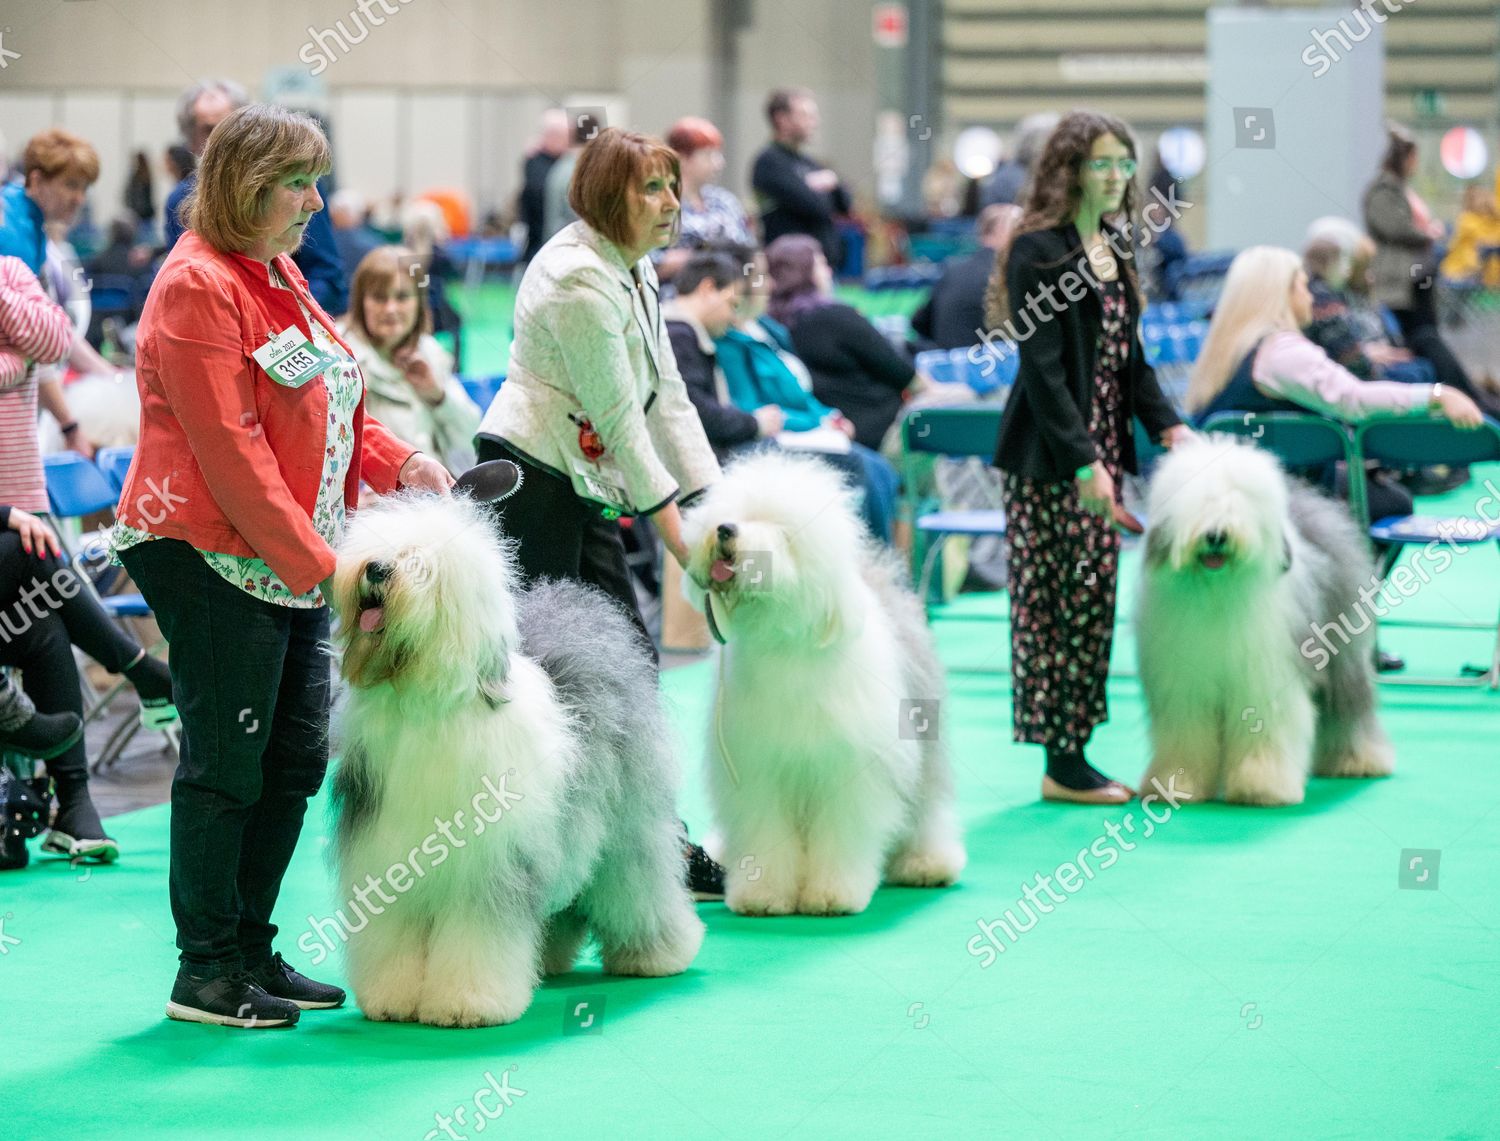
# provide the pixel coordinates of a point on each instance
(371, 618)
(722, 570)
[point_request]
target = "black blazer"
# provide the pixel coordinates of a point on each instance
(1044, 434)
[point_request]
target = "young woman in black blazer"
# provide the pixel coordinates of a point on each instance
(1068, 296)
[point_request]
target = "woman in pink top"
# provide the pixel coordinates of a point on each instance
(1255, 359)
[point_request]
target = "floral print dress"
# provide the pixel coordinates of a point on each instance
(345, 387)
(1064, 565)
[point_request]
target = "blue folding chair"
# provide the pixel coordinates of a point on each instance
(482, 390)
(1301, 440)
(938, 364)
(1406, 444)
(995, 370)
(115, 463)
(75, 489)
(953, 433)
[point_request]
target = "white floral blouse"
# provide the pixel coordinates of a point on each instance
(253, 575)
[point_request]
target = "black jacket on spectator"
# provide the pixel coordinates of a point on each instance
(533, 203)
(1045, 431)
(854, 368)
(789, 206)
(953, 314)
(726, 426)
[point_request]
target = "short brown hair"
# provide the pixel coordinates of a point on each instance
(253, 149)
(57, 152)
(1399, 145)
(606, 181)
(382, 266)
(779, 102)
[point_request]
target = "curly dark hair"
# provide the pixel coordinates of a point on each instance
(1053, 195)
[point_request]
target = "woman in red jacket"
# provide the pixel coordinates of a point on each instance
(253, 444)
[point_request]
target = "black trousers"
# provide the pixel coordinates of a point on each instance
(45, 610)
(559, 535)
(252, 685)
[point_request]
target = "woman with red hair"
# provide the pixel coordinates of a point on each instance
(711, 217)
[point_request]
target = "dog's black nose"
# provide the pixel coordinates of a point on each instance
(378, 572)
(727, 531)
(1216, 539)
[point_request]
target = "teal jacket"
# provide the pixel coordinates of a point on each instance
(21, 233)
(755, 375)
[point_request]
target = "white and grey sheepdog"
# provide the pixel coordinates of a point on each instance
(543, 707)
(828, 766)
(1243, 567)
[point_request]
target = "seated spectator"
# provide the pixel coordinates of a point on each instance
(1255, 359)
(702, 311)
(711, 217)
(698, 321)
(347, 211)
(1473, 256)
(1349, 327)
(853, 367)
(424, 229)
(759, 366)
(952, 317)
(409, 381)
(39, 640)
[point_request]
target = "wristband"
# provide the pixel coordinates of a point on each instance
(1085, 472)
(70, 427)
(1435, 401)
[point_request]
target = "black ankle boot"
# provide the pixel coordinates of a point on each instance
(44, 735)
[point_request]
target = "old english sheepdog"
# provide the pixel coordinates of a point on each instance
(828, 768)
(1243, 566)
(541, 706)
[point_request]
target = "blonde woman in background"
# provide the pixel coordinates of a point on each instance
(1256, 359)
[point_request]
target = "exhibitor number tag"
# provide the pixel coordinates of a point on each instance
(291, 359)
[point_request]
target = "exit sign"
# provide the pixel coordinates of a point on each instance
(890, 25)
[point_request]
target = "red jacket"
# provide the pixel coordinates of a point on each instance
(229, 460)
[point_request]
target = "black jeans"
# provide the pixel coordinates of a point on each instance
(252, 686)
(45, 610)
(559, 535)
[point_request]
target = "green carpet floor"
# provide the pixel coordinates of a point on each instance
(1238, 974)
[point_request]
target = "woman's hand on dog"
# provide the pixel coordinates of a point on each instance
(425, 474)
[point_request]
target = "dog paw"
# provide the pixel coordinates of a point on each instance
(937, 868)
(468, 1011)
(833, 899)
(757, 904)
(1371, 759)
(1255, 796)
(376, 1013)
(669, 954)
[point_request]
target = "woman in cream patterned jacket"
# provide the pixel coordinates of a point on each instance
(593, 409)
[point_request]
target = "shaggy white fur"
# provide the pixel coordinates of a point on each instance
(459, 687)
(828, 765)
(1243, 567)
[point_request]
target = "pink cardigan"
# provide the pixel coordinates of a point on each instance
(1291, 367)
(32, 328)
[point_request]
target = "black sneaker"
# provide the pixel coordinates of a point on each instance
(1387, 663)
(14, 854)
(704, 877)
(278, 979)
(44, 736)
(231, 999)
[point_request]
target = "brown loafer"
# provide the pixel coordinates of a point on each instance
(1112, 793)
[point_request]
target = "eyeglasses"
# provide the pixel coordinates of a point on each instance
(1126, 166)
